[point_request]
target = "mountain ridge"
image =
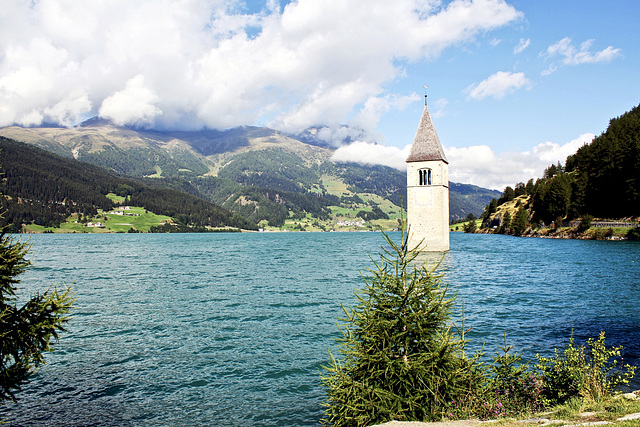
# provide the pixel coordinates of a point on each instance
(250, 163)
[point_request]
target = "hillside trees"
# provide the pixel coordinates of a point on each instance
(185, 208)
(381, 180)
(602, 179)
(552, 198)
(610, 165)
(43, 188)
(519, 222)
(271, 168)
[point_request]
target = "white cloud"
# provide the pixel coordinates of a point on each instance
(440, 105)
(521, 46)
(134, 105)
(478, 164)
(498, 85)
(375, 154)
(211, 63)
(573, 56)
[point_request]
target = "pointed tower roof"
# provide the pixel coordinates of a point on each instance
(426, 144)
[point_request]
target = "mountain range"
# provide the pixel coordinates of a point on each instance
(267, 177)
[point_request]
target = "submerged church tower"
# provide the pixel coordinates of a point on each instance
(427, 189)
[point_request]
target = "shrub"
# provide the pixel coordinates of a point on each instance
(585, 224)
(513, 388)
(470, 227)
(585, 371)
(400, 358)
(634, 234)
(519, 222)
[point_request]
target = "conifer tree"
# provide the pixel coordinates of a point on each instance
(519, 222)
(400, 358)
(25, 331)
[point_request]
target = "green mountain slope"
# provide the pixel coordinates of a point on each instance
(258, 173)
(43, 188)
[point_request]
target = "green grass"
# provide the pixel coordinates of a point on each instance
(578, 411)
(141, 221)
(460, 226)
(115, 199)
(334, 185)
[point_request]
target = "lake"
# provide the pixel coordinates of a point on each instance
(232, 329)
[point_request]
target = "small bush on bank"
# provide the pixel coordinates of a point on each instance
(513, 387)
(585, 224)
(400, 359)
(586, 371)
(634, 234)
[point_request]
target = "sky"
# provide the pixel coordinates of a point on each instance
(513, 85)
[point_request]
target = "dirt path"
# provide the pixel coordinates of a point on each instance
(461, 423)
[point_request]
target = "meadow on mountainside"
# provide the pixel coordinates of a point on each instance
(272, 181)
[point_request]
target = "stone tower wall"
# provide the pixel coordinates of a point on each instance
(428, 206)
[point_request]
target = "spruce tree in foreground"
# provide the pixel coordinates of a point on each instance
(400, 359)
(25, 331)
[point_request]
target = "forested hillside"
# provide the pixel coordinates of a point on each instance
(601, 180)
(257, 173)
(45, 189)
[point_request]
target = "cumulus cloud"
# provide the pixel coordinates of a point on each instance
(373, 154)
(481, 165)
(478, 164)
(194, 63)
(571, 55)
(498, 85)
(134, 105)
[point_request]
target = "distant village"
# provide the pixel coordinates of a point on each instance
(121, 210)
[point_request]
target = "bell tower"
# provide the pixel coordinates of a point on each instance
(427, 189)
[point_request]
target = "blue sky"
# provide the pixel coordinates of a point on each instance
(513, 85)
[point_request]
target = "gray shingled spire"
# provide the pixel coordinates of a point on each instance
(426, 145)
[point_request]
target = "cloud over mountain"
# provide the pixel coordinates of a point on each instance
(193, 63)
(478, 164)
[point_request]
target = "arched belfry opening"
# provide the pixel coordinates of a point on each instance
(427, 189)
(424, 177)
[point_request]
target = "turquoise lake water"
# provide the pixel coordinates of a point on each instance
(232, 329)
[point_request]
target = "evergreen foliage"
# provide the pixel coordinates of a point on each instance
(384, 181)
(26, 331)
(512, 388)
(610, 165)
(585, 223)
(507, 195)
(470, 226)
(601, 179)
(519, 222)
(466, 198)
(375, 213)
(400, 358)
(44, 189)
(634, 234)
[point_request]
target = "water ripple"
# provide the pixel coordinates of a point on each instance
(215, 329)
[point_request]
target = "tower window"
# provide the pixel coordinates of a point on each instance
(424, 177)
